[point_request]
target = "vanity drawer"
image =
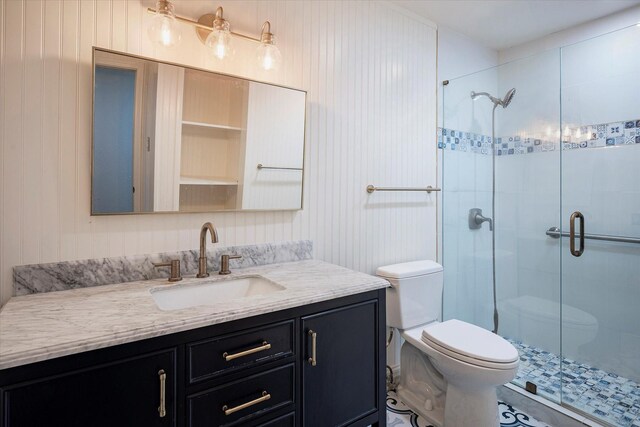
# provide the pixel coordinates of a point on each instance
(237, 402)
(288, 420)
(228, 353)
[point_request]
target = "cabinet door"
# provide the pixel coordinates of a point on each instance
(124, 393)
(340, 386)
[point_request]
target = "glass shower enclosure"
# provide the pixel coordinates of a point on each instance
(541, 218)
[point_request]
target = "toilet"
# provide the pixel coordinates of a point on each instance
(449, 370)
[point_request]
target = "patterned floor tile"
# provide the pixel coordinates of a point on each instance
(607, 396)
(399, 415)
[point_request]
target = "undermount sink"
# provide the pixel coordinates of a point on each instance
(212, 292)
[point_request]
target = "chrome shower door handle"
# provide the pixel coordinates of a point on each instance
(572, 234)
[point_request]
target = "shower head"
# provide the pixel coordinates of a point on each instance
(504, 102)
(508, 97)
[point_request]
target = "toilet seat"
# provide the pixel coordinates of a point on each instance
(471, 344)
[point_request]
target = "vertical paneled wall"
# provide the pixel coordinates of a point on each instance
(369, 70)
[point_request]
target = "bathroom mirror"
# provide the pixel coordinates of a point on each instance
(169, 138)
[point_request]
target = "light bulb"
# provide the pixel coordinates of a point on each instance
(269, 56)
(164, 29)
(219, 41)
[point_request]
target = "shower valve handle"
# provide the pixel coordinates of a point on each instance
(476, 219)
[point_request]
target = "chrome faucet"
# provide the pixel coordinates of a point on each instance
(202, 261)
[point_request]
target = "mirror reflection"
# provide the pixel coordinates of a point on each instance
(174, 139)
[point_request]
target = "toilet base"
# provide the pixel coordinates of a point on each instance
(416, 403)
(477, 407)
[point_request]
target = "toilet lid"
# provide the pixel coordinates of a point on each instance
(408, 269)
(471, 341)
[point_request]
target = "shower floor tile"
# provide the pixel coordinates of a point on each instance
(399, 415)
(607, 396)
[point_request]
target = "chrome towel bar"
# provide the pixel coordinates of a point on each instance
(429, 189)
(261, 166)
(555, 233)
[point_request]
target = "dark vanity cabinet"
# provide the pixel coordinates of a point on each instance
(339, 375)
(122, 393)
(318, 365)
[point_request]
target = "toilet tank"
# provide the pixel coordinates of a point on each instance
(415, 295)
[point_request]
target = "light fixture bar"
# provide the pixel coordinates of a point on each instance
(204, 27)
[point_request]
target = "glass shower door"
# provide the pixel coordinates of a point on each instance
(522, 202)
(600, 233)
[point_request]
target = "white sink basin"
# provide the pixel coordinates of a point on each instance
(212, 292)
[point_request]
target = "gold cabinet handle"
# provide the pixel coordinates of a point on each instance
(572, 234)
(228, 357)
(162, 410)
(228, 411)
(312, 360)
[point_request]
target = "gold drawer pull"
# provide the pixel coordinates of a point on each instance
(228, 357)
(313, 361)
(162, 410)
(228, 411)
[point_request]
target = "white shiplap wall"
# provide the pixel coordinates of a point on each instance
(369, 70)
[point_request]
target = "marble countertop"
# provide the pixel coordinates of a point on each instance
(49, 325)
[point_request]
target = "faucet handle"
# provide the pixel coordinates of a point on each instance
(224, 263)
(175, 269)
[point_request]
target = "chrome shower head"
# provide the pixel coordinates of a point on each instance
(503, 102)
(508, 98)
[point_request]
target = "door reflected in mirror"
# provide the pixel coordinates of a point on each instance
(168, 138)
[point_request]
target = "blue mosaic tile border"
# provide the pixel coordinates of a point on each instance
(603, 135)
(456, 140)
(591, 136)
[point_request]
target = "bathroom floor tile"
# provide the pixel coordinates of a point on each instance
(398, 414)
(604, 395)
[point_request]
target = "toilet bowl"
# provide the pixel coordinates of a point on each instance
(449, 370)
(471, 371)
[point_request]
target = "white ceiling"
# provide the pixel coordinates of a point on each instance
(500, 24)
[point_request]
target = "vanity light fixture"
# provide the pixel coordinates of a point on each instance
(269, 56)
(214, 31)
(164, 29)
(219, 39)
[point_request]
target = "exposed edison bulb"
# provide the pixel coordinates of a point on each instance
(269, 56)
(164, 29)
(219, 41)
